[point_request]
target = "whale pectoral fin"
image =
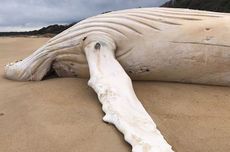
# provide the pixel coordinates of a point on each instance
(119, 102)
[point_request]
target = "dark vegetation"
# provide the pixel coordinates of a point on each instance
(209, 5)
(48, 31)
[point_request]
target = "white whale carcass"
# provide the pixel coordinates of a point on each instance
(162, 44)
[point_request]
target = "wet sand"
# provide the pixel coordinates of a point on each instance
(64, 114)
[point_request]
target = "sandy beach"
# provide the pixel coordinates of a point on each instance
(64, 114)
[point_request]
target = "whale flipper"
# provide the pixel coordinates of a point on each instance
(119, 102)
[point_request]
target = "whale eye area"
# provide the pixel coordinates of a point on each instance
(97, 46)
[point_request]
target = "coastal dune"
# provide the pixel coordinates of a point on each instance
(64, 114)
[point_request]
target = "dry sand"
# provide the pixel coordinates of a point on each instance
(64, 114)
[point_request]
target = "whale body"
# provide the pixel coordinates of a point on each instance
(163, 44)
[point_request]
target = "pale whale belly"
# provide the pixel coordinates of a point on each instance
(193, 53)
(167, 44)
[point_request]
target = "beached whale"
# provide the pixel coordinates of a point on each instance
(163, 44)
(151, 44)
